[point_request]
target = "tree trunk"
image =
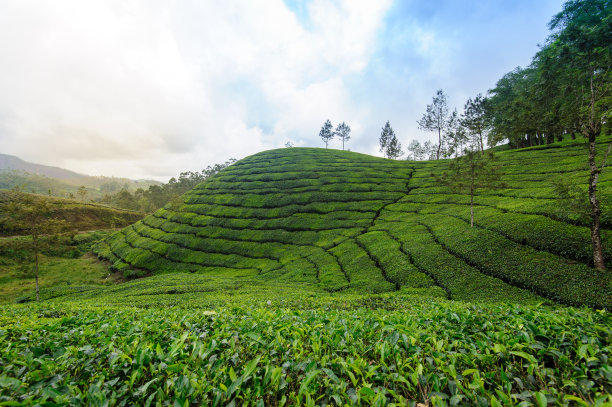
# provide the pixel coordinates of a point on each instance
(598, 259)
(439, 143)
(481, 144)
(36, 271)
(343, 144)
(472, 199)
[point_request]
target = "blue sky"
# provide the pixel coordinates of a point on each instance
(150, 88)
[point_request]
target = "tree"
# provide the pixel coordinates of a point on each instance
(394, 149)
(37, 217)
(456, 135)
(475, 120)
(582, 43)
(326, 132)
(385, 138)
(471, 172)
(82, 191)
(436, 118)
(429, 150)
(416, 149)
(342, 131)
(457, 139)
(516, 110)
(157, 196)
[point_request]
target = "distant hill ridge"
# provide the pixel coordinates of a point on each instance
(19, 174)
(11, 162)
(344, 221)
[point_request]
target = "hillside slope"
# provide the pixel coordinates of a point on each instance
(81, 215)
(345, 221)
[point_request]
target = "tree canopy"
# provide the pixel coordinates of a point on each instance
(327, 132)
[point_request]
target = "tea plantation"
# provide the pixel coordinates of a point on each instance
(321, 277)
(349, 222)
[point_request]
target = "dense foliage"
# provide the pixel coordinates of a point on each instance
(567, 89)
(340, 350)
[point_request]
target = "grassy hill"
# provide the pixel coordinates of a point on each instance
(81, 215)
(341, 221)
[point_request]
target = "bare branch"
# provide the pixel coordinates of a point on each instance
(603, 164)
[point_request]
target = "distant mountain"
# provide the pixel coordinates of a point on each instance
(10, 162)
(16, 173)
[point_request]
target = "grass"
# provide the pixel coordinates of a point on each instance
(81, 215)
(18, 281)
(64, 264)
(350, 222)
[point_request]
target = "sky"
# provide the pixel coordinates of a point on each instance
(152, 88)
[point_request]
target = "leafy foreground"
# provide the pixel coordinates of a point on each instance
(305, 350)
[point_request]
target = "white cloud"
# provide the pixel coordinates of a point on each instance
(147, 88)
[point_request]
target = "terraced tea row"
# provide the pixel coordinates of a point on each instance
(345, 221)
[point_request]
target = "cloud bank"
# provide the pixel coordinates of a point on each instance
(149, 88)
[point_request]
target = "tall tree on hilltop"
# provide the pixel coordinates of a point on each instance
(474, 118)
(394, 149)
(327, 132)
(458, 138)
(416, 149)
(472, 171)
(429, 150)
(436, 119)
(342, 131)
(582, 34)
(385, 138)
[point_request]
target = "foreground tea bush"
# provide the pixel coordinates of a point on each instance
(349, 350)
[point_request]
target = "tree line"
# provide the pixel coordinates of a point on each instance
(156, 196)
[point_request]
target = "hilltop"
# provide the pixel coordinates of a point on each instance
(339, 221)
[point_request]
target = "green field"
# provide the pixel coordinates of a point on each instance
(321, 277)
